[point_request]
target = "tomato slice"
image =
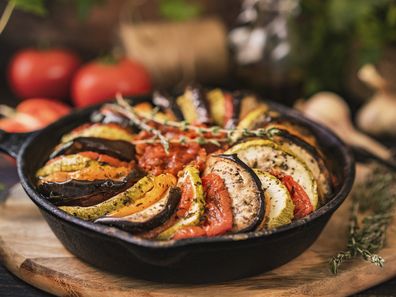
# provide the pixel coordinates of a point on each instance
(218, 212)
(218, 206)
(302, 204)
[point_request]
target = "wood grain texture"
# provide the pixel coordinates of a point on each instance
(30, 250)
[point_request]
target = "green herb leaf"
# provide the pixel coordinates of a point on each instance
(33, 6)
(179, 10)
(377, 197)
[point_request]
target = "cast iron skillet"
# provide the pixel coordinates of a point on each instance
(196, 260)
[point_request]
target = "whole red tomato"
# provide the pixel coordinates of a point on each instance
(33, 114)
(99, 81)
(42, 73)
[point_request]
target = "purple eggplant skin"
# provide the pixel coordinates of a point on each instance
(173, 199)
(237, 98)
(273, 132)
(110, 118)
(198, 99)
(240, 165)
(87, 193)
(119, 149)
(167, 102)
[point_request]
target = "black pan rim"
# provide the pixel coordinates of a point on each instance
(127, 238)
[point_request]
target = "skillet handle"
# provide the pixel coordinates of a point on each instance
(11, 143)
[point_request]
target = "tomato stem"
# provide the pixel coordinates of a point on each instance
(5, 17)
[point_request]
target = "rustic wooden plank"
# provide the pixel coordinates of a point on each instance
(30, 250)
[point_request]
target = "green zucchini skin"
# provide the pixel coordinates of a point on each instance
(134, 223)
(129, 196)
(242, 202)
(323, 179)
(120, 149)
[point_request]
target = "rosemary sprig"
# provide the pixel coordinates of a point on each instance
(377, 196)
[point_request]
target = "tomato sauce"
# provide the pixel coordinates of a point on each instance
(154, 159)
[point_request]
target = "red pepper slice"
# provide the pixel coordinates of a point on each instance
(228, 107)
(105, 159)
(302, 204)
(218, 212)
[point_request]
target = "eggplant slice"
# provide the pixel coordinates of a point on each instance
(307, 153)
(167, 103)
(106, 115)
(120, 149)
(244, 188)
(87, 193)
(268, 156)
(149, 218)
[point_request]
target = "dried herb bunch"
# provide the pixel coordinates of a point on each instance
(372, 210)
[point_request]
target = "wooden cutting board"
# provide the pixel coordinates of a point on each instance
(30, 250)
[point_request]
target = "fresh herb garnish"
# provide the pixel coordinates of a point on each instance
(377, 197)
(205, 135)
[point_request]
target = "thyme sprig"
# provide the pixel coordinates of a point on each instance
(376, 196)
(232, 135)
(142, 123)
(183, 140)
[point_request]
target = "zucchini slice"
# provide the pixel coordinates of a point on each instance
(253, 120)
(268, 156)
(197, 207)
(307, 153)
(130, 196)
(294, 129)
(150, 217)
(281, 206)
(244, 188)
(161, 183)
(108, 131)
(216, 102)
